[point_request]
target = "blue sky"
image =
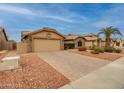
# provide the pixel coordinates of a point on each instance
(65, 18)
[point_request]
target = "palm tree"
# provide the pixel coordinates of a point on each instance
(108, 32)
(114, 41)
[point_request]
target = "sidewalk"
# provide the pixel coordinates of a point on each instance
(110, 76)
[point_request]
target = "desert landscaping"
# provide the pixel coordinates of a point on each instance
(39, 62)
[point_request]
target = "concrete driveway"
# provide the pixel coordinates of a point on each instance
(107, 77)
(72, 65)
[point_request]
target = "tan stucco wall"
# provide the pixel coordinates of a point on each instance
(103, 44)
(44, 35)
(95, 42)
(77, 40)
(29, 43)
(2, 36)
(89, 44)
(2, 41)
(22, 47)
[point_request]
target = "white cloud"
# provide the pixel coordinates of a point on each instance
(65, 19)
(60, 18)
(67, 16)
(61, 14)
(15, 9)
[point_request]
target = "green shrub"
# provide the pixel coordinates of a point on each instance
(101, 50)
(83, 48)
(68, 46)
(118, 50)
(95, 52)
(109, 49)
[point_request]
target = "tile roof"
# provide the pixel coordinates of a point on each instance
(91, 38)
(26, 33)
(68, 37)
(86, 36)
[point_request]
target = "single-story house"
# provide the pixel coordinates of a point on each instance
(46, 39)
(76, 41)
(3, 39)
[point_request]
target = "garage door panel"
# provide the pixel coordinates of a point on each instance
(46, 45)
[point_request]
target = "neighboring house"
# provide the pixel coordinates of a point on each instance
(45, 39)
(48, 39)
(118, 42)
(3, 39)
(76, 41)
(115, 42)
(91, 40)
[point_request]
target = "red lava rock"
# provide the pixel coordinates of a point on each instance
(104, 56)
(122, 51)
(34, 73)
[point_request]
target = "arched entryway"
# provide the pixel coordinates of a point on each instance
(79, 43)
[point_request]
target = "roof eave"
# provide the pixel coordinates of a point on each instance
(5, 34)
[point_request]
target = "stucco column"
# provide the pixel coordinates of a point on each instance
(62, 44)
(75, 44)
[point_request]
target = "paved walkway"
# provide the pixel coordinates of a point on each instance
(110, 76)
(72, 65)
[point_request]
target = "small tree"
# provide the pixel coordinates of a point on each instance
(108, 32)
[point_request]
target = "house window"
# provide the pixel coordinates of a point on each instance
(79, 43)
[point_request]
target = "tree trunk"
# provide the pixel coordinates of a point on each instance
(108, 41)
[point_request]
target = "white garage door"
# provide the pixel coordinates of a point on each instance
(46, 45)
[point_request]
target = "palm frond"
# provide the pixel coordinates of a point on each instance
(101, 32)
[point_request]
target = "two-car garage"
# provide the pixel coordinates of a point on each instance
(41, 40)
(46, 39)
(46, 45)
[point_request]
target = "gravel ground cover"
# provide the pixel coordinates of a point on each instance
(122, 51)
(105, 56)
(33, 73)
